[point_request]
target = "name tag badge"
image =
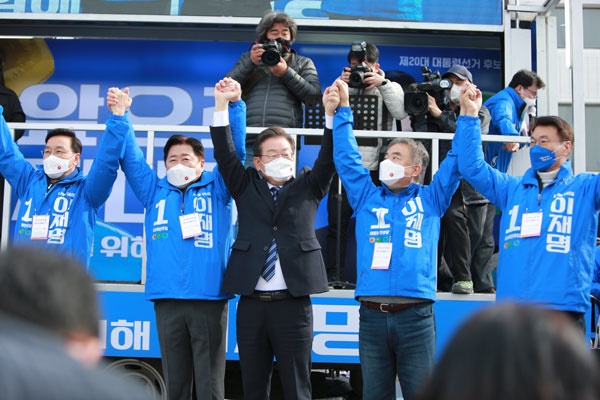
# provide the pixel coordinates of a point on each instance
(39, 227)
(190, 225)
(382, 255)
(531, 224)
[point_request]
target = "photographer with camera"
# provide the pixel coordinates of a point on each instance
(275, 79)
(466, 238)
(513, 110)
(364, 77)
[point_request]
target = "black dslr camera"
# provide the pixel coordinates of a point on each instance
(357, 76)
(358, 50)
(273, 52)
(415, 98)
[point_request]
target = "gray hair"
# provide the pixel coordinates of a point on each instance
(418, 151)
(270, 19)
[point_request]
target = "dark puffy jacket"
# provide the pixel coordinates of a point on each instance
(274, 101)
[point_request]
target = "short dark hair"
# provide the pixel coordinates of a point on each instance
(76, 146)
(270, 19)
(564, 130)
(197, 146)
(517, 352)
(269, 133)
(371, 54)
(526, 78)
(49, 290)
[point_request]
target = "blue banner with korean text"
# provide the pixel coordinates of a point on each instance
(171, 83)
(484, 12)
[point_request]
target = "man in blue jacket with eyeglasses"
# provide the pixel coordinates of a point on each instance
(59, 204)
(549, 216)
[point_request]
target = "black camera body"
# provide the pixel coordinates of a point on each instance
(273, 52)
(415, 98)
(357, 76)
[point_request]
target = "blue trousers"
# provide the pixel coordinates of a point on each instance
(398, 344)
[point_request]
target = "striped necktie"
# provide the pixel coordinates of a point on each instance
(268, 270)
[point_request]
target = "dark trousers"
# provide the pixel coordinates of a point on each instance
(454, 243)
(481, 231)
(281, 328)
(578, 319)
(339, 214)
(192, 336)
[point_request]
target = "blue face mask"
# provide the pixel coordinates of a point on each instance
(541, 158)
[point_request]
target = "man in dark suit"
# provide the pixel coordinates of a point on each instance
(276, 260)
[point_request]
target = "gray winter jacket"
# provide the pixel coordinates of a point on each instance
(274, 101)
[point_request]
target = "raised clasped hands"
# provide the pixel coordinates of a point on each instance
(470, 100)
(331, 99)
(335, 95)
(118, 101)
(344, 94)
(227, 90)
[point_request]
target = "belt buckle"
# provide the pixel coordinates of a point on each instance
(381, 305)
(265, 296)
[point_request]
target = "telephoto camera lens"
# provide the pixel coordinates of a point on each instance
(272, 53)
(356, 79)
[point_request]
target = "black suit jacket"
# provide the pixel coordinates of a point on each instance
(291, 222)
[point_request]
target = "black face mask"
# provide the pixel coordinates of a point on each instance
(285, 44)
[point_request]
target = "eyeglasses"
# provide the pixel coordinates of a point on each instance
(534, 94)
(543, 142)
(58, 153)
(271, 157)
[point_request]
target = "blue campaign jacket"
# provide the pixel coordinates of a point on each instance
(73, 202)
(553, 269)
(504, 107)
(190, 268)
(596, 277)
(409, 219)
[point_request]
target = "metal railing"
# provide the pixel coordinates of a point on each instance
(152, 130)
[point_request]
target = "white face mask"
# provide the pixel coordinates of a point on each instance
(55, 167)
(390, 172)
(455, 91)
(529, 101)
(281, 169)
(180, 175)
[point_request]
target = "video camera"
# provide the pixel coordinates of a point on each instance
(273, 51)
(415, 98)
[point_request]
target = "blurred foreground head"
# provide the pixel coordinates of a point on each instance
(54, 292)
(515, 352)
